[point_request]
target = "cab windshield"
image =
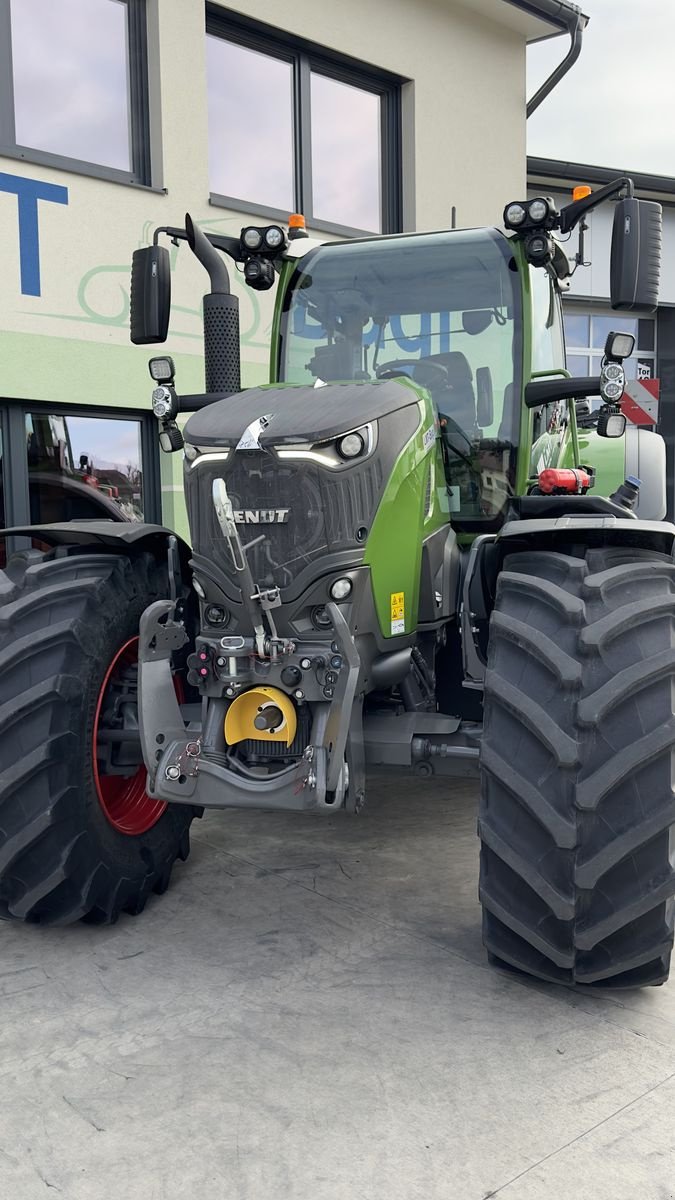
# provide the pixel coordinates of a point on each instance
(443, 308)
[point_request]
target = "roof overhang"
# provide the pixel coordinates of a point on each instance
(535, 20)
(561, 176)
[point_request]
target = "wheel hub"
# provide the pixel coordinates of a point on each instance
(119, 778)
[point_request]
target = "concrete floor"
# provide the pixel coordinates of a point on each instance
(308, 1015)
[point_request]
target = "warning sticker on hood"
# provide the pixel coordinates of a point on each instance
(397, 612)
(429, 437)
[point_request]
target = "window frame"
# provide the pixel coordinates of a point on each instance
(573, 307)
(306, 57)
(14, 463)
(139, 107)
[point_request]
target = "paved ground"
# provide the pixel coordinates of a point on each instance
(307, 1015)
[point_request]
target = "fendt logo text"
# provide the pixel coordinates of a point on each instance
(261, 516)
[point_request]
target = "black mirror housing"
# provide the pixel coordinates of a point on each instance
(635, 264)
(150, 295)
(485, 407)
(476, 321)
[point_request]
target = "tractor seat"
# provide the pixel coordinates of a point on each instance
(458, 400)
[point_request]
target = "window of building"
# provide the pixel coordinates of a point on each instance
(73, 85)
(62, 464)
(83, 468)
(292, 128)
(586, 333)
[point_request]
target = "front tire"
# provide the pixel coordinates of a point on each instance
(77, 840)
(577, 805)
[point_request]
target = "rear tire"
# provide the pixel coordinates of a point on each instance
(577, 804)
(63, 622)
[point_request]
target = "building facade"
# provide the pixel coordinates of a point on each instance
(117, 116)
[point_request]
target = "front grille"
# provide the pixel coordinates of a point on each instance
(327, 511)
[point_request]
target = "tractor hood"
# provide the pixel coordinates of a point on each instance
(297, 413)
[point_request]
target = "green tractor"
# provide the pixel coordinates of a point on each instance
(422, 546)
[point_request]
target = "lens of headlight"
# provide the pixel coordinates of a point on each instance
(274, 237)
(613, 371)
(611, 391)
(340, 589)
(514, 214)
(252, 238)
(216, 614)
(538, 210)
(321, 618)
(615, 425)
(350, 446)
(161, 369)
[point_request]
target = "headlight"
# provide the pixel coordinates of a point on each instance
(350, 446)
(162, 369)
(321, 618)
(191, 452)
(538, 210)
(252, 238)
(612, 382)
(514, 215)
(340, 589)
(538, 249)
(619, 345)
(199, 589)
(612, 371)
(274, 237)
(612, 391)
(161, 402)
(216, 614)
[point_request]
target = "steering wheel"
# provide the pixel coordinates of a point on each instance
(428, 374)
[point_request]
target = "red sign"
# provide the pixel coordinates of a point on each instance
(640, 402)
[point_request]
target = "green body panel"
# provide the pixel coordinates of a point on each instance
(393, 550)
(606, 455)
(526, 414)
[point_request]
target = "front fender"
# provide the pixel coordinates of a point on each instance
(121, 536)
(592, 529)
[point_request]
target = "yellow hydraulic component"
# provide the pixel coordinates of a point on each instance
(264, 714)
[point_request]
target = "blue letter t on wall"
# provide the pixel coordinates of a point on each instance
(28, 192)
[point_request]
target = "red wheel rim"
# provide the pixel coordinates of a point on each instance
(124, 799)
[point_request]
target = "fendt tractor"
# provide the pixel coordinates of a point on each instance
(423, 547)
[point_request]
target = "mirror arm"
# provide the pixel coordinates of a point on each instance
(571, 214)
(547, 391)
(229, 245)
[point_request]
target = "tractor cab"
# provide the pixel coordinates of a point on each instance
(443, 310)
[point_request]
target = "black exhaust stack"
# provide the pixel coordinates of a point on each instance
(222, 350)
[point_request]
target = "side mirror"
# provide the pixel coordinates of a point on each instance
(150, 295)
(476, 320)
(635, 263)
(485, 405)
